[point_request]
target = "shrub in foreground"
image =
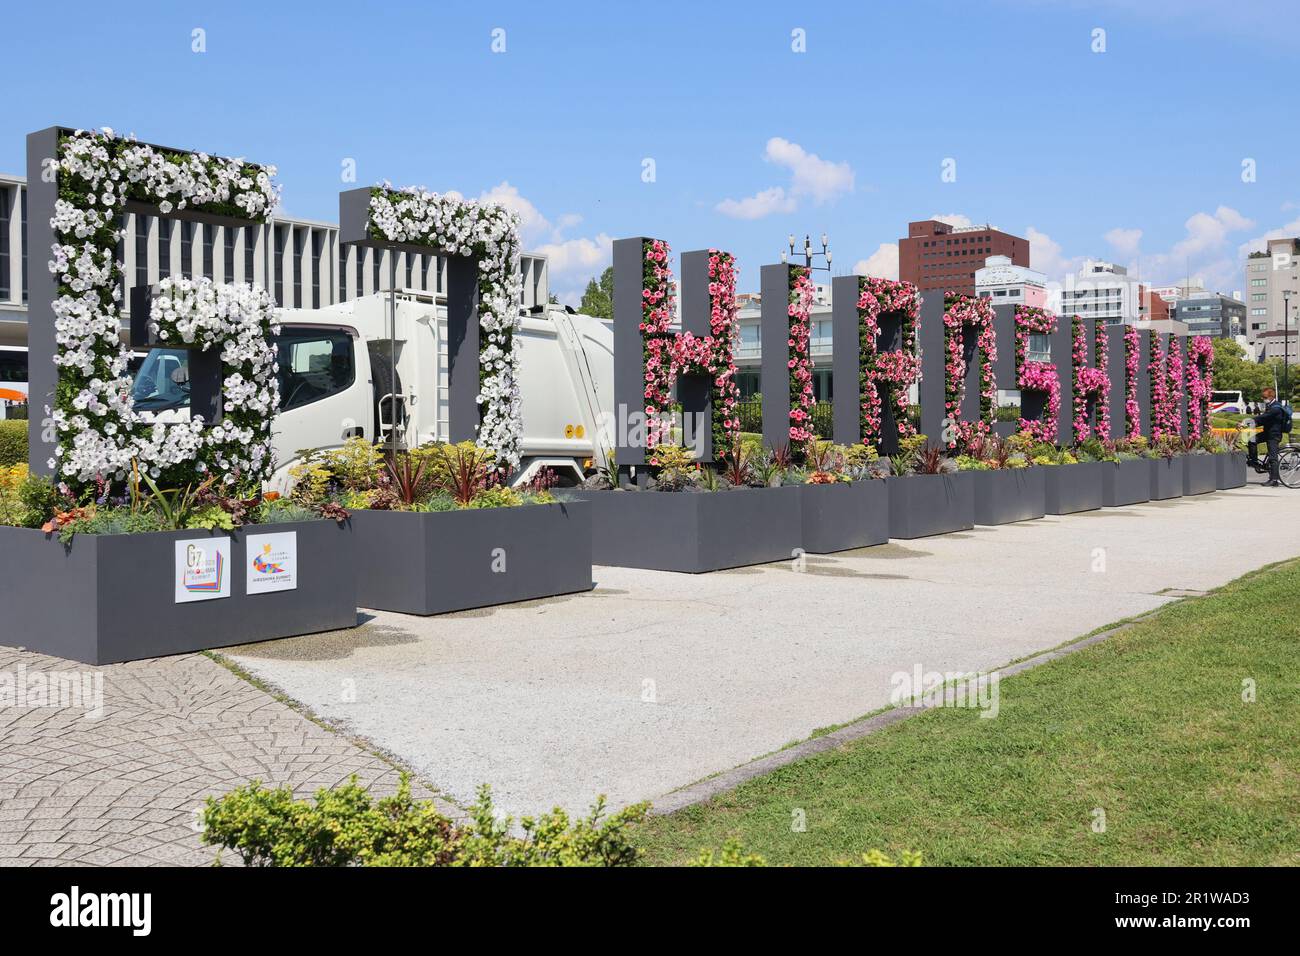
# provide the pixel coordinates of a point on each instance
(346, 827)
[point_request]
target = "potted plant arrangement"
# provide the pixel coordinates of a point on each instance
(436, 530)
(691, 517)
(1125, 472)
(928, 495)
(1074, 483)
(1200, 467)
(1008, 487)
(845, 501)
(1166, 468)
(1229, 460)
(127, 571)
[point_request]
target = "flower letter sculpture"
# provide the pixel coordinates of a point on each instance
(1166, 368)
(1091, 383)
(490, 234)
(99, 432)
(1033, 376)
(1132, 410)
(1200, 379)
(802, 293)
(892, 372)
(961, 312)
(668, 354)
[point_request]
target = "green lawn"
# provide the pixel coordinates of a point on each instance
(1149, 725)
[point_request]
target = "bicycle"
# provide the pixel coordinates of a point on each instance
(1288, 465)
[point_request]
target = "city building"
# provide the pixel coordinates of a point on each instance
(1006, 283)
(1104, 290)
(935, 255)
(1210, 313)
(1270, 274)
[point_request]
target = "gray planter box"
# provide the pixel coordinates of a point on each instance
(1166, 478)
(1005, 495)
(845, 515)
(435, 562)
(104, 599)
(1125, 482)
(1074, 488)
(1200, 474)
(1230, 469)
(694, 531)
(923, 505)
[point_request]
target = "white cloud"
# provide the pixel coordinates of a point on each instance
(1125, 241)
(954, 219)
(1260, 243)
(810, 175)
(532, 224)
(1045, 256)
(761, 204)
(588, 256)
(883, 263)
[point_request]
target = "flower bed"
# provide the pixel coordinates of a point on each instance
(1005, 495)
(1126, 481)
(435, 562)
(1230, 469)
(924, 505)
(1073, 488)
(1200, 473)
(1166, 478)
(843, 515)
(102, 599)
(694, 531)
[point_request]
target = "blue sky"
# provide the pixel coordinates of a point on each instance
(1134, 153)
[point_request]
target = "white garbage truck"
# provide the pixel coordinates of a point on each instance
(348, 370)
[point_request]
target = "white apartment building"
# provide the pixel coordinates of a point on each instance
(1005, 283)
(1102, 290)
(1270, 276)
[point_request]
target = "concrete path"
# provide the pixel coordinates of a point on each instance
(656, 680)
(124, 786)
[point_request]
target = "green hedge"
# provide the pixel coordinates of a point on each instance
(13, 443)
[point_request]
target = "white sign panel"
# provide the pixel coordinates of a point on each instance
(272, 562)
(202, 569)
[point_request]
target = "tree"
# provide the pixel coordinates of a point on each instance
(598, 300)
(1234, 372)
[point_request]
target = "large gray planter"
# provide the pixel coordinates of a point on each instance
(1125, 482)
(923, 505)
(845, 515)
(109, 598)
(694, 531)
(1230, 469)
(1166, 478)
(1073, 488)
(435, 562)
(1004, 495)
(1200, 474)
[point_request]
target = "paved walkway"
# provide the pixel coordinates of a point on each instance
(656, 680)
(125, 788)
(651, 682)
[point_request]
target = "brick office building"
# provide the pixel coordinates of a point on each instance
(936, 255)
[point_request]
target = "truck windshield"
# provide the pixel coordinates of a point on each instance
(162, 383)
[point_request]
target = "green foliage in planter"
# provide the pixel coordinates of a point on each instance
(346, 827)
(13, 443)
(25, 500)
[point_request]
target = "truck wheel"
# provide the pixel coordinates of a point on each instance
(385, 382)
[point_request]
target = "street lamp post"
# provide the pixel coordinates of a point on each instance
(808, 254)
(1286, 343)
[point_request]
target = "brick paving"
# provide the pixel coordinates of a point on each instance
(124, 788)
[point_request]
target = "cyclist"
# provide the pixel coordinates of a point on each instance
(1272, 421)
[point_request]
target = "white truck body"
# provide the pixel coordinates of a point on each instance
(566, 381)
